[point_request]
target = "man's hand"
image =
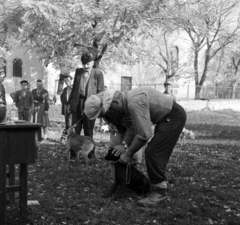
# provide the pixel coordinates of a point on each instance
(68, 109)
(125, 158)
(45, 95)
(45, 112)
(36, 101)
(118, 150)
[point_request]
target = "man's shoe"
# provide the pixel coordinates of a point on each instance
(154, 198)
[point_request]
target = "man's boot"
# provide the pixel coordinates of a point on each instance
(159, 193)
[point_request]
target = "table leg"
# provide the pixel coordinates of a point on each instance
(2, 189)
(23, 191)
(12, 182)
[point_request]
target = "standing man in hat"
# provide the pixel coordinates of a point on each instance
(64, 100)
(24, 101)
(145, 106)
(87, 81)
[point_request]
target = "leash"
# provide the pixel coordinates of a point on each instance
(128, 179)
(64, 134)
(82, 116)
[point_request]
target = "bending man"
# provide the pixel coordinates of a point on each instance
(145, 106)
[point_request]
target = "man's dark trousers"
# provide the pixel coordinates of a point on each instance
(68, 118)
(160, 148)
(82, 121)
(24, 115)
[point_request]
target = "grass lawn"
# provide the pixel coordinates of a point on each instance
(204, 181)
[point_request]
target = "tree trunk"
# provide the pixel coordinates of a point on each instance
(203, 77)
(99, 57)
(216, 90)
(197, 90)
(234, 90)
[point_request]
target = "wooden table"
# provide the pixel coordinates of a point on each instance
(18, 145)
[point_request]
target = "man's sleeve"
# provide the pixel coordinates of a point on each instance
(15, 97)
(31, 99)
(62, 95)
(46, 101)
(100, 82)
(74, 86)
(4, 94)
(129, 135)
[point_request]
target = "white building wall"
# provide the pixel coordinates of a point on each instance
(32, 69)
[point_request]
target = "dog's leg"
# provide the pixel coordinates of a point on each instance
(184, 140)
(181, 140)
(86, 159)
(69, 155)
(77, 156)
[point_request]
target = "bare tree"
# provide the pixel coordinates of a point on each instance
(211, 26)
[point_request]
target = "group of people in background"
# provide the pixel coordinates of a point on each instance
(32, 106)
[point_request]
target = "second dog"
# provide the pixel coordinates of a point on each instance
(80, 144)
(127, 176)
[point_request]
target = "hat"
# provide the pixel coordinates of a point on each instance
(24, 81)
(69, 76)
(86, 58)
(93, 107)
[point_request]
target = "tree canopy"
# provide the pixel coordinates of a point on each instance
(61, 29)
(126, 31)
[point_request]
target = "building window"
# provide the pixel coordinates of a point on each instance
(17, 68)
(3, 68)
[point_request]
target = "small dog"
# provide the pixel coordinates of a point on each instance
(127, 176)
(83, 144)
(186, 134)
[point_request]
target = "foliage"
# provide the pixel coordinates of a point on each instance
(62, 29)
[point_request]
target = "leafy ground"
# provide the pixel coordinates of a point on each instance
(203, 177)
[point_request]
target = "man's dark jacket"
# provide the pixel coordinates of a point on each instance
(94, 86)
(23, 102)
